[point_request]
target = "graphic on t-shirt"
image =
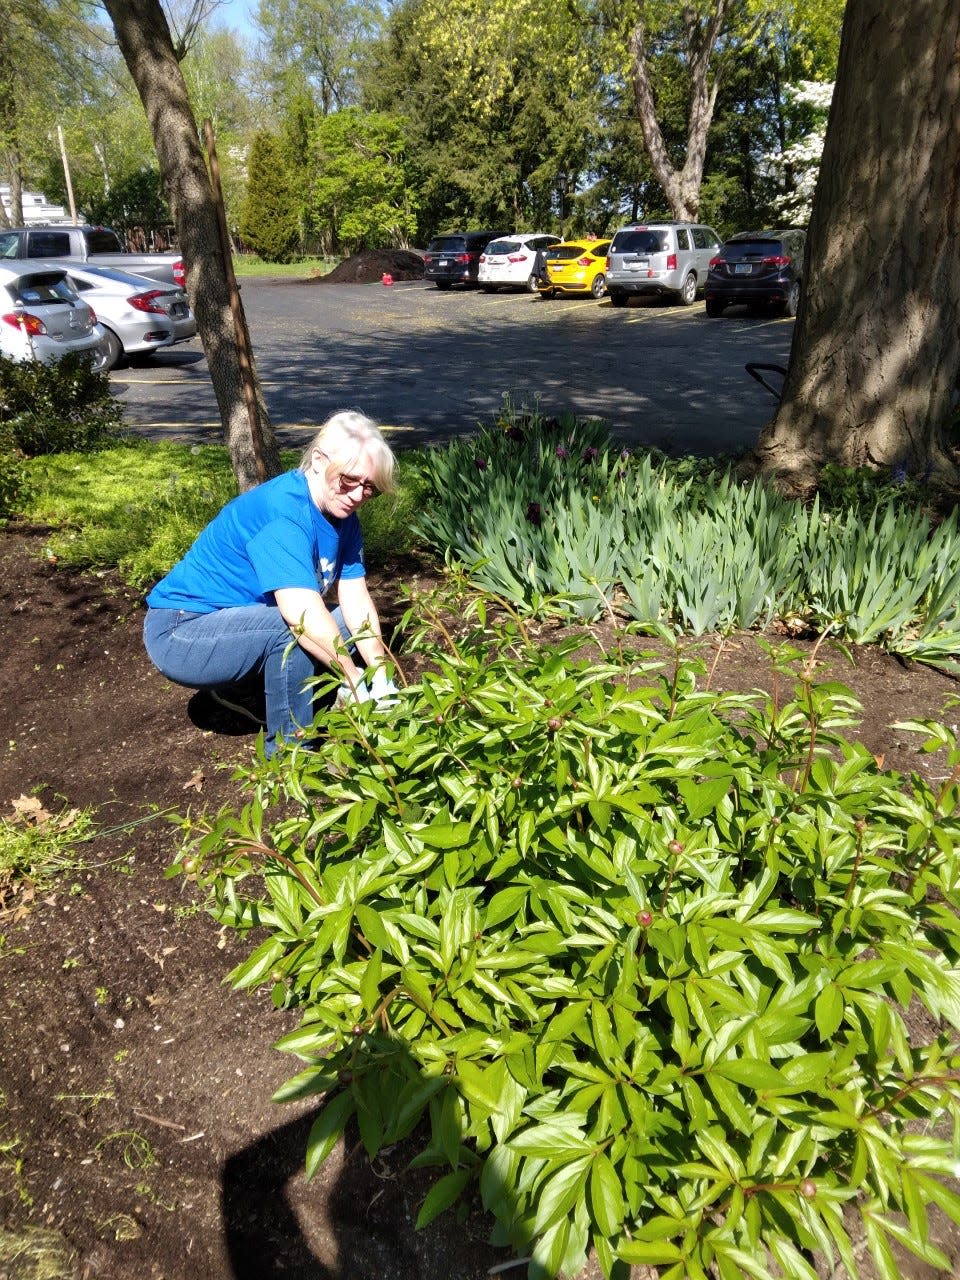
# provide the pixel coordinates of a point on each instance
(325, 572)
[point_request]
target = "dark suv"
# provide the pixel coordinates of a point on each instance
(758, 268)
(454, 258)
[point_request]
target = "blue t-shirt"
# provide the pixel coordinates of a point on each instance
(270, 537)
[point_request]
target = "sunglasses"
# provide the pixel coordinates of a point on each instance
(347, 483)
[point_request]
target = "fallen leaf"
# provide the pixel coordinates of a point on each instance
(29, 809)
(196, 782)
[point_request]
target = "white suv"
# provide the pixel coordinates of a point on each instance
(509, 261)
(666, 258)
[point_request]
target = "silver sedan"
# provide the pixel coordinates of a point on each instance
(138, 315)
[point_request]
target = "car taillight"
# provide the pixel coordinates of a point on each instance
(93, 314)
(180, 273)
(718, 262)
(427, 258)
(671, 262)
(483, 257)
(777, 260)
(148, 301)
(462, 257)
(25, 322)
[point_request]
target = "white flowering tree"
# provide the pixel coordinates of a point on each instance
(799, 164)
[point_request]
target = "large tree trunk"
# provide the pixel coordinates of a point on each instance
(681, 187)
(876, 349)
(144, 40)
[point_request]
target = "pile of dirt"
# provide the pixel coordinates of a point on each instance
(371, 265)
(137, 1140)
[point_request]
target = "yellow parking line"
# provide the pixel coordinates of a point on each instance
(179, 425)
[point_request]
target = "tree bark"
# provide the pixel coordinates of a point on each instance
(145, 42)
(876, 348)
(681, 187)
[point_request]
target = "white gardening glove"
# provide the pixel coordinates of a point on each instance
(348, 693)
(382, 689)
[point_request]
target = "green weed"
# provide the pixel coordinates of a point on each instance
(37, 846)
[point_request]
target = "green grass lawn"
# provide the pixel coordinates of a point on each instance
(248, 264)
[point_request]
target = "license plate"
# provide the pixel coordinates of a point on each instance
(442, 262)
(742, 268)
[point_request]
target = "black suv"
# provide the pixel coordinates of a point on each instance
(758, 268)
(454, 258)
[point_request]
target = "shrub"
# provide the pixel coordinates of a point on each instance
(15, 488)
(57, 408)
(634, 956)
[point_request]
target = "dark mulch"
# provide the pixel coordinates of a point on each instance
(371, 265)
(135, 1120)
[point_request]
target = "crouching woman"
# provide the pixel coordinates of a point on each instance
(252, 596)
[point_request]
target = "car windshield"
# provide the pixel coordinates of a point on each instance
(503, 246)
(751, 249)
(645, 241)
(564, 252)
(447, 244)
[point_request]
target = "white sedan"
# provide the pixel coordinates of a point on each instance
(508, 263)
(138, 315)
(42, 317)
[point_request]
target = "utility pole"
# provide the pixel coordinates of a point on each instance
(66, 174)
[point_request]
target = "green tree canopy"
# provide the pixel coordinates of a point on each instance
(362, 196)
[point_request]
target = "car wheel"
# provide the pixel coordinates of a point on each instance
(792, 304)
(532, 284)
(714, 308)
(618, 299)
(112, 351)
(547, 295)
(487, 288)
(598, 286)
(688, 291)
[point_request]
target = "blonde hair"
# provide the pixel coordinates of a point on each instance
(343, 438)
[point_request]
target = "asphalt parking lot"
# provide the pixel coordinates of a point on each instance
(431, 364)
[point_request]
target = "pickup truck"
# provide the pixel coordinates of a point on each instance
(99, 245)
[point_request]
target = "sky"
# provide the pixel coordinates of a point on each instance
(236, 14)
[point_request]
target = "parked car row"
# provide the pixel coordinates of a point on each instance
(50, 308)
(673, 260)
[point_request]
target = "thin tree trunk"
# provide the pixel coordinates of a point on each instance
(876, 349)
(681, 187)
(144, 40)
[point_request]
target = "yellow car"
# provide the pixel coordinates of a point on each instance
(576, 267)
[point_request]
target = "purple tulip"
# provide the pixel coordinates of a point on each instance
(480, 464)
(533, 513)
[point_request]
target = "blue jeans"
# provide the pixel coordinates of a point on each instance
(205, 650)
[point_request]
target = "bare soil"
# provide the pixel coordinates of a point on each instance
(135, 1124)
